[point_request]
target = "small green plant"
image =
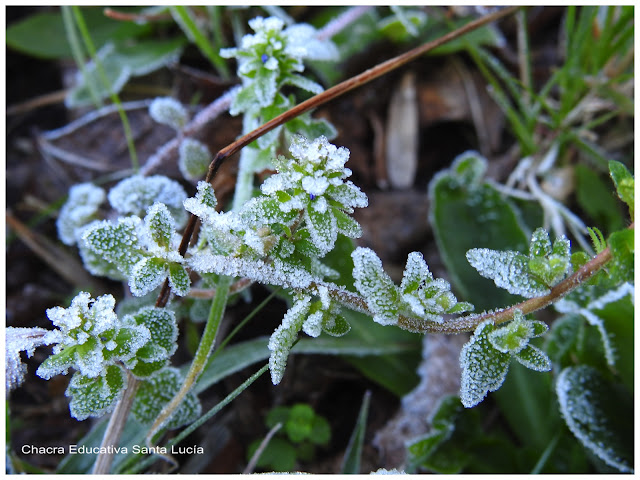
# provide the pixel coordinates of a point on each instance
(301, 431)
(288, 234)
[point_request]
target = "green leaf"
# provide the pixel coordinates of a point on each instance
(379, 291)
(155, 353)
(624, 184)
(160, 224)
(427, 450)
(622, 248)
(598, 413)
(465, 213)
(322, 228)
(116, 243)
(179, 280)
(279, 455)
(298, 425)
(43, 34)
(155, 392)
(594, 196)
(119, 63)
(353, 453)
(93, 397)
(147, 275)
(483, 367)
(509, 270)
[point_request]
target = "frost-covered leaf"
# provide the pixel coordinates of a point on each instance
(335, 325)
(147, 275)
(509, 270)
(93, 397)
(23, 340)
(169, 111)
(134, 195)
(204, 203)
(155, 392)
(596, 412)
(468, 212)
(117, 243)
(193, 159)
(160, 224)
(379, 291)
(515, 336)
(486, 357)
(304, 83)
(285, 335)
(323, 230)
(425, 297)
(483, 367)
(79, 209)
(156, 352)
(534, 359)
(549, 264)
(179, 280)
(89, 337)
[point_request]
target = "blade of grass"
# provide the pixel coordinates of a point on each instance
(82, 26)
(351, 462)
(184, 18)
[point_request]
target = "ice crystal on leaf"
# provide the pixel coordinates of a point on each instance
(79, 210)
(419, 294)
(134, 195)
(529, 276)
(194, 158)
(285, 335)
(91, 337)
(271, 58)
(93, 397)
(142, 251)
(591, 407)
(23, 340)
(155, 392)
(168, 111)
(486, 357)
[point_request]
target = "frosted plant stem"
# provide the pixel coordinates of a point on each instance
(469, 323)
(207, 343)
(340, 23)
(82, 26)
(206, 115)
(115, 427)
(322, 98)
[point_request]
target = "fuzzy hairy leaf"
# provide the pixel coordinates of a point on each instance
(156, 352)
(155, 392)
(483, 367)
(509, 270)
(117, 243)
(93, 397)
(595, 412)
(376, 286)
(80, 208)
(284, 336)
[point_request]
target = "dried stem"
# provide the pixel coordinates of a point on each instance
(116, 426)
